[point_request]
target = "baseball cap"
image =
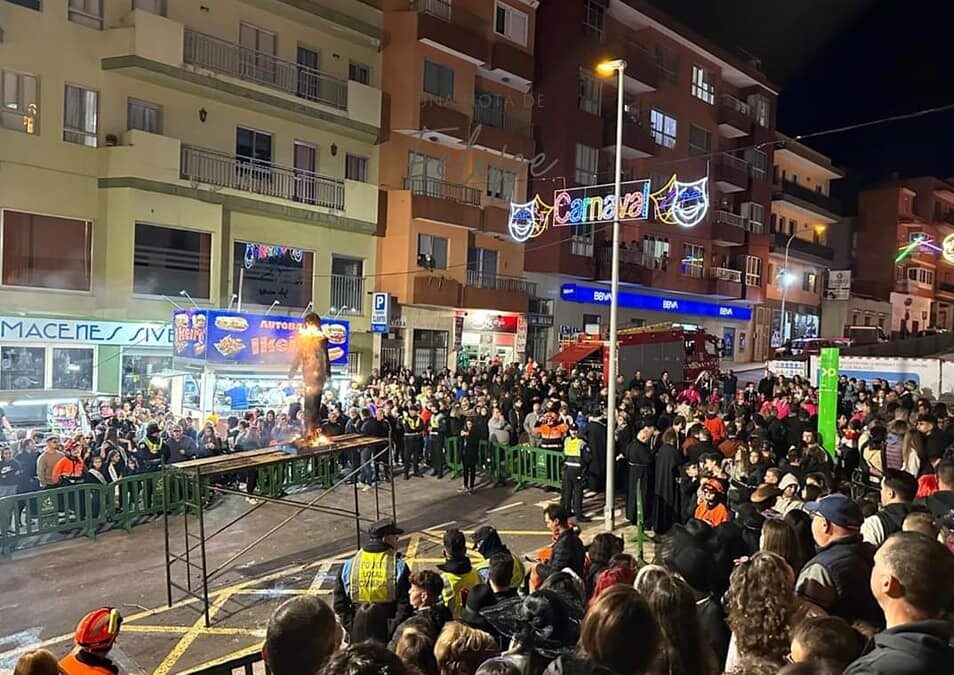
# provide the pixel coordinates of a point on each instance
(838, 509)
(384, 527)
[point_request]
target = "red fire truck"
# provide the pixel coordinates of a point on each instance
(684, 352)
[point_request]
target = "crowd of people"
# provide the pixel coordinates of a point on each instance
(772, 553)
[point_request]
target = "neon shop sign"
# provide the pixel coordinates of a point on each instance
(680, 203)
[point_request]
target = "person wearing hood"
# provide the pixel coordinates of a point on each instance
(458, 574)
(898, 489)
(788, 500)
(488, 544)
(911, 580)
(152, 451)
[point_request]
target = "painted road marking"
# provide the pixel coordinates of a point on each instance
(505, 507)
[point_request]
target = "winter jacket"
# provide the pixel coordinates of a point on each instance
(568, 551)
(921, 648)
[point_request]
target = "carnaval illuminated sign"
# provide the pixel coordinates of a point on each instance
(676, 203)
(947, 248)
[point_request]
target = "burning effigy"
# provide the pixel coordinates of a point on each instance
(310, 353)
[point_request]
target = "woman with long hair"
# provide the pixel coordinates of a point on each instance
(760, 605)
(603, 547)
(779, 537)
(912, 452)
(683, 649)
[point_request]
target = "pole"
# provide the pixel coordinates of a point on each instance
(610, 505)
(788, 246)
(241, 283)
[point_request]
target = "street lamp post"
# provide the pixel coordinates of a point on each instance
(606, 68)
(785, 283)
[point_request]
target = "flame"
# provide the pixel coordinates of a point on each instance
(311, 331)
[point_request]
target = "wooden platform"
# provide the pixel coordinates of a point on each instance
(257, 459)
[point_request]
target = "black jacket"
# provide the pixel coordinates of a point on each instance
(940, 503)
(568, 551)
(922, 648)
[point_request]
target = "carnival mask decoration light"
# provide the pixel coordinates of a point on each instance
(682, 203)
(528, 220)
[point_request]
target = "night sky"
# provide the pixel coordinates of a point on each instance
(840, 62)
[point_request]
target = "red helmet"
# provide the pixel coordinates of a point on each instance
(97, 631)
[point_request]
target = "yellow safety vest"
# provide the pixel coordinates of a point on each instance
(456, 588)
(572, 448)
(516, 580)
(373, 577)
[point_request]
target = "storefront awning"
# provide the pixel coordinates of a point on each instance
(571, 355)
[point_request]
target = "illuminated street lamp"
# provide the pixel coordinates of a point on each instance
(787, 278)
(607, 68)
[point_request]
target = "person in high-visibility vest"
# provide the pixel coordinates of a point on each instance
(487, 543)
(575, 455)
(458, 574)
(552, 431)
(95, 635)
(377, 574)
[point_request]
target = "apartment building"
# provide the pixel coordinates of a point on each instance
(164, 152)
(456, 148)
(691, 111)
(803, 215)
(905, 251)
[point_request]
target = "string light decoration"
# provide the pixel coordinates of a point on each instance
(682, 203)
(528, 220)
(926, 242)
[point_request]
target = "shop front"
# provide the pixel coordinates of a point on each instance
(227, 362)
(114, 357)
(801, 321)
(483, 337)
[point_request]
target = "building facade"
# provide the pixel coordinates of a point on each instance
(905, 251)
(803, 216)
(165, 152)
(691, 112)
(455, 152)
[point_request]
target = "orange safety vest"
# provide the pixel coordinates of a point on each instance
(72, 664)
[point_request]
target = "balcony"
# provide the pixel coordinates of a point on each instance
(494, 291)
(734, 116)
(641, 75)
(512, 61)
(443, 202)
(634, 266)
(725, 282)
(228, 58)
(728, 229)
(637, 141)
(501, 132)
(453, 30)
(731, 174)
(436, 290)
(802, 249)
(495, 219)
(806, 198)
(201, 165)
(347, 294)
(438, 116)
(945, 287)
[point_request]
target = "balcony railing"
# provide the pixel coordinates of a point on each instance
(754, 226)
(945, 286)
(439, 189)
(728, 218)
(731, 102)
(202, 165)
(732, 161)
(478, 279)
(228, 58)
(495, 118)
(447, 12)
(726, 274)
(814, 197)
(347, 292)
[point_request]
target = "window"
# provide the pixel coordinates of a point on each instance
(915, 236)
(425, 175)
(429, 350)
(489, 109)
(81, 116)
(22, 367)
(356, 168)
(921, 275)
(581, 240)
(753, 270)
(167, 261)
(19, 94)
(700, 140)
(703, 86)
(358, 72)
(262, 275)
(87, 12)
(667, 61)
(899, 273)
(591, 93)
(481, 267)
(693, 260)
(144, 116)
(593, 17)
(591, 320)
(511, 23)
(663, 128)
(758, 161)
(438, 80)
(761, 112)
(347, 284)
(772, 223)
(45, 251)
(252, 146)
(154, 6)
(138, 369)
(501, 183)
(73, 368)
(655, 252)
(586, 164)
(256, 54)
(809, 282)
(29, 4)
(435, 247)
(792, 226)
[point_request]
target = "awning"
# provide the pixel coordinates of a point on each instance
(571, 355)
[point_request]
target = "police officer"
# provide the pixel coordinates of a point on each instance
(575, 454)
(438, 431)
(95, 634)
(413, 427)
(377, 574)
